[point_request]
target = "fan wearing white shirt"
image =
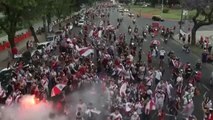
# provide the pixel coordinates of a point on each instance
(179, 79)
(158, 76)
(162, 53)
(135, 116)
(116, 115)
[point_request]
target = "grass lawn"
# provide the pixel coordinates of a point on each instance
(173, 14)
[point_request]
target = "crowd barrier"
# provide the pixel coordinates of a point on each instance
(17, 40)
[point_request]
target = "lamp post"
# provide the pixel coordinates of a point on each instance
(180, 23)
(181, 18)
(162, 5)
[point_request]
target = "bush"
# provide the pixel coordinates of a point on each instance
(165, 10)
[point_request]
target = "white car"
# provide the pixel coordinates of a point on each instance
(81, 22)
(130, 14)
(126, 10)
(42, 47)
(53, 39)
(70, 27)
(121, 10)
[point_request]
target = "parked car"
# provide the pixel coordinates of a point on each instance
(121, 10)
(157, 18)
(126, 10)
(53, 39)
(146, 5)
(81, 22)
(130, 14)
(41, 47)
(69, 26)
(5, 76)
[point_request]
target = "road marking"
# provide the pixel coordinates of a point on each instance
(204, 95)
(205, 87)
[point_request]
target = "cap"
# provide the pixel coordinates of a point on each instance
(190, 85)
(149, 92)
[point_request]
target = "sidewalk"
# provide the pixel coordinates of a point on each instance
(35, 25)
(5, 55)
(208, 34)
(196, 49)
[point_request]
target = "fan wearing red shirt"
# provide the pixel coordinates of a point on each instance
(210, 117)
(14, 51)
(149, 58)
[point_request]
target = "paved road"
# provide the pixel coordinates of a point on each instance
(172, 45)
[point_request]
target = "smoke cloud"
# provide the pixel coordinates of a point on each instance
(28, 110)
(93, 94)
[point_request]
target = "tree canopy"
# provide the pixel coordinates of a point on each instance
(17, 12)
(203, 15)
(13, 11)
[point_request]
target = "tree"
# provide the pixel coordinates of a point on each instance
(13, 11)
(61, 8)
(32, 13)
(203, 15)
(173, 2)
(153, 3)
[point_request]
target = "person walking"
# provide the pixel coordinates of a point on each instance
(158, 76)
(184, 38)
(189, 39)
(204, 56)
(140, 55)
(149, 58)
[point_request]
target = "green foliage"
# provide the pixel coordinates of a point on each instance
(165, 10)
(203, 15)
(19, 12)
(60, 8)
(15, 11)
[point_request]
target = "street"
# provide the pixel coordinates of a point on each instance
(171, 45)
(63, 69)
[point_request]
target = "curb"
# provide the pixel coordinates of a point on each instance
(150, 17)
(195, 53)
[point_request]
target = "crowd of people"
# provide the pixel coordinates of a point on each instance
(132, 85)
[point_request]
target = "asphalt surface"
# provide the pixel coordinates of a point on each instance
(171, 45)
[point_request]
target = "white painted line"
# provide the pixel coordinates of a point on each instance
(204, 95)
(206, 87)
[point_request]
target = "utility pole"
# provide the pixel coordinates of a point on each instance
(181, 18)
(162, 5)
(180, 23)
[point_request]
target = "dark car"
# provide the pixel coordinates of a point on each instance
(5, 76)
(157, 18)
